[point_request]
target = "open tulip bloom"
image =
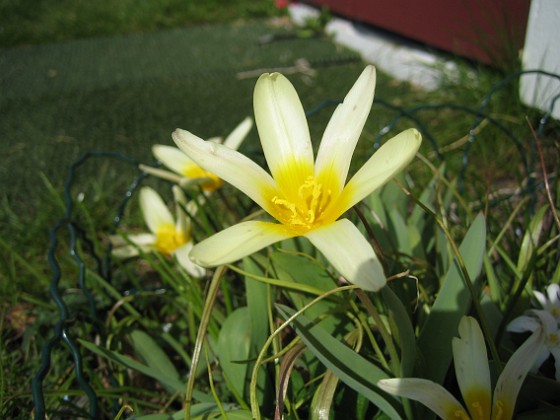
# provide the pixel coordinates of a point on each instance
(473, 377)
(187, 173)
(306, 196)
(547, 319)
(168, 236)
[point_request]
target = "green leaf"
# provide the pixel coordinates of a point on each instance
(172, 383)
(531, 240)
(153, 355)
(402, 329)
(453, 301)
(233, 348)
(258, 306)
(297, 268)
(352, 369)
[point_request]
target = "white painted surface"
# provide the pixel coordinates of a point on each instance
(401, 60)
(542, 51)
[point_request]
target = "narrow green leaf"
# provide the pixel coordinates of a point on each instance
(153, 355)
(175, 384)
(452, 303)
(233, 348)
(531, 239)
(352, 369)
(403, 330)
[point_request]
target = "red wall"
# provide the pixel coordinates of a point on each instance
(489, 31)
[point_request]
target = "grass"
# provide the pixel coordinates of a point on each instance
(53, 110)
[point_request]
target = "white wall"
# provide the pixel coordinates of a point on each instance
(542, 51)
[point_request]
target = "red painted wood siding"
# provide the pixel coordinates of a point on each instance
(489, 31)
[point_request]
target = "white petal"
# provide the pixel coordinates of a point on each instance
(237, 242)
(432, 395)
(281, 123)
(172, 157)
(387, 162)
(345, 126)
(236, 137)
(514, 373)
(122, 249)
(544, 354)
(523, 323)
(471, 366)
(553, 292)
(541, 298)
(350, 253)
(156, 213)
(228, 164)
(182, 255)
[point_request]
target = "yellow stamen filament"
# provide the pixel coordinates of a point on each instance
(303, 210)
(476, 410)
(460, 414)
(498, 410)
(168, 239)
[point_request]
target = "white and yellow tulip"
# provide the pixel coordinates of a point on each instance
(168, 235)
(473, 377)
(187, 173)
(306, 196)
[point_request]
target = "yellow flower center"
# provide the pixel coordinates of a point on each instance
(168, 239)
(552, 340)
(211, 183)
(304, 202)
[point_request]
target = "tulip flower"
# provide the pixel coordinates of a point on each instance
(473, 377)
(534, 320)
(185, 172)
(168, 236)
(306, 196)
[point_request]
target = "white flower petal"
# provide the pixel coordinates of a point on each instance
(236, 137)
(553, 292)
(182, 255)
(514, 373)
(544, 354)
(541, 298)
(345, 126)
(237, 242)
(432, 395)
(123, 249)
(228, 164)
(172, 157)
(471, 366)
(156, 213)
(350, 253)
(282, 124)
(385, 163)
(523, 323)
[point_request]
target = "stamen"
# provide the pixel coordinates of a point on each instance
(303, 210)
(477, 408)
(460, 414)
(499, 410)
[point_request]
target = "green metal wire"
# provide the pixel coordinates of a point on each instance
(61, 333)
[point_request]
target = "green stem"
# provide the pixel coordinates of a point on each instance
(387, 338)
(204, 321)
